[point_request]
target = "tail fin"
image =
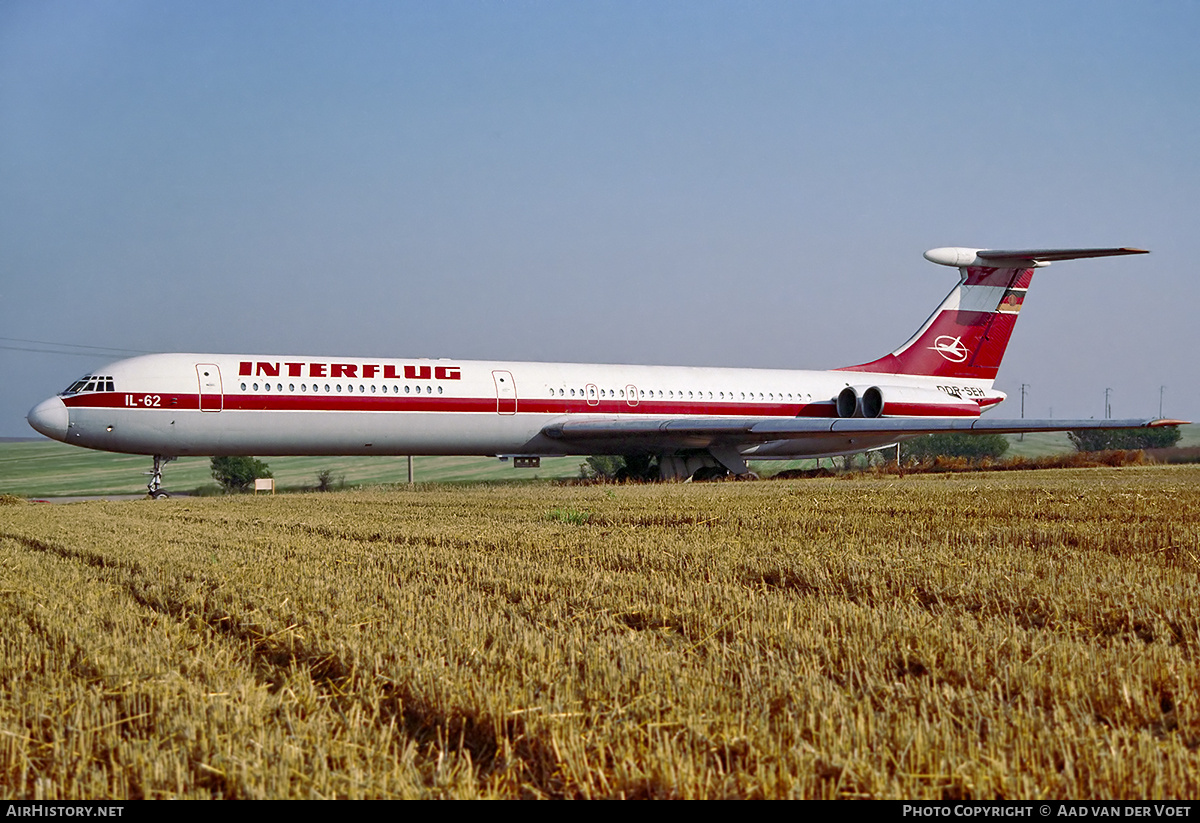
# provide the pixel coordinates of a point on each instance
(967, 334)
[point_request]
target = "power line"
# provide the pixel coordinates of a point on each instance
(93, 355)
(87, 351)
(75, 345)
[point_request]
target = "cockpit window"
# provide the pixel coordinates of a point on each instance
(91, 382)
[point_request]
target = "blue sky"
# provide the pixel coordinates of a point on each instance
(730, 184)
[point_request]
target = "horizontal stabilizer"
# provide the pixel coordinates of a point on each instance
(1056, 254)
(1017, 258)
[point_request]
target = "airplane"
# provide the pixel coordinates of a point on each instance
(698, 422)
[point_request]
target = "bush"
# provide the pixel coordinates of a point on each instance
(602, 466)
(326, 483)
(1096, 440)
(620, 468)
(954, 444)
(237, 474)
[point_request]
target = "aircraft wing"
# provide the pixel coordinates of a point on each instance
(763, 429)
(723, 436)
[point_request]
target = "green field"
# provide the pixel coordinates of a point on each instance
(991, 635)
(44, 468)
(48, 469)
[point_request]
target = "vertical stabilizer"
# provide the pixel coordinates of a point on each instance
(967, 334)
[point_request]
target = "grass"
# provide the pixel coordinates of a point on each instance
(44, 468)
(571, 516)
(1016, 635)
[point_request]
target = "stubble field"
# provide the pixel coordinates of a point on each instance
(1014, 635)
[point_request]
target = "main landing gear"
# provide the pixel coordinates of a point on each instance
(713, 463)
(154, 487)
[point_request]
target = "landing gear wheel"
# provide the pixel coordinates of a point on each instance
(705, 473)
(154, 487)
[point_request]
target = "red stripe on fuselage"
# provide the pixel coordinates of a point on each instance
(379, 403)
(485, 405)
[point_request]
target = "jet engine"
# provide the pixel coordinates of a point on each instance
(903, 401)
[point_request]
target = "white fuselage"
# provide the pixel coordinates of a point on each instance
(206, 404)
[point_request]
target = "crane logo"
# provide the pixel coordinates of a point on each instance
(951, 348)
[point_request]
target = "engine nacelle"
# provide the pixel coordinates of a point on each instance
(848, 403)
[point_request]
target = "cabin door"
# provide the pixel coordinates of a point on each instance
(212, 397)
(506, 392)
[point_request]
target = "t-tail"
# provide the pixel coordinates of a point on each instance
(967, 334)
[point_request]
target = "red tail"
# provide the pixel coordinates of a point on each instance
(967, 335)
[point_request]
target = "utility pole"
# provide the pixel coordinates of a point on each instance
(1024, 386)
(1107, 405)
(1160, 394)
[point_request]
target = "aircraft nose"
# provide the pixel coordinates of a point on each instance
(51, 418)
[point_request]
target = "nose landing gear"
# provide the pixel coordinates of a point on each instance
(154, 487)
